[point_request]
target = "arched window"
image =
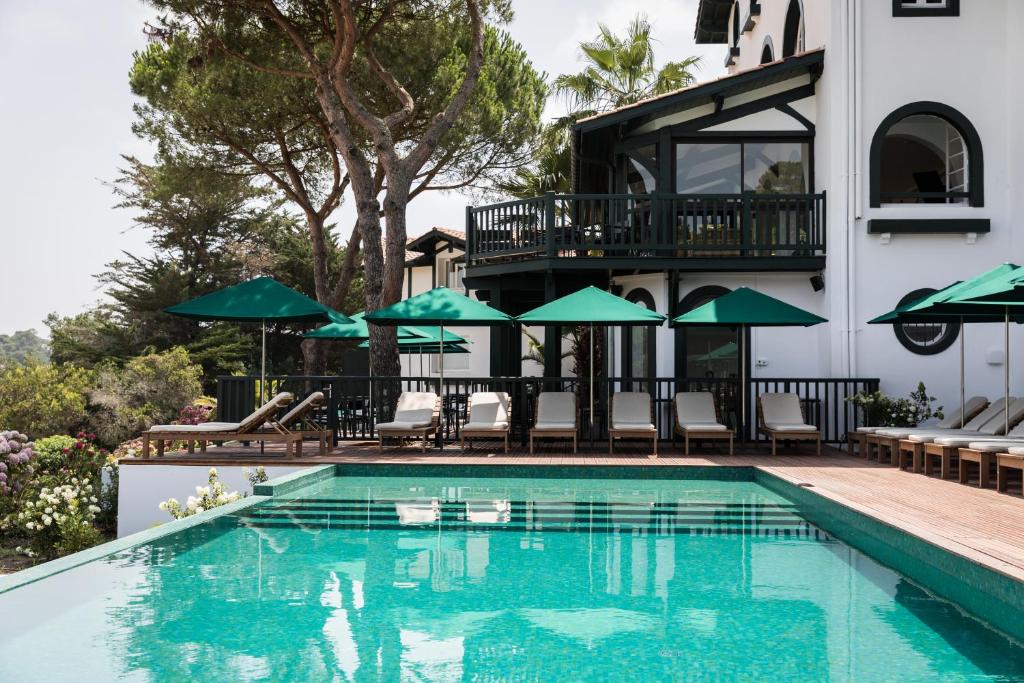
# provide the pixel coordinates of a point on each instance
(924, 339)
(926, 153)
(793, 33)
(767, 51)
(638, 349)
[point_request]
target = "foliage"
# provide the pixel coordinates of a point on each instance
(61, 520)
(17, 467)
(536, 350)
(195, 414)
(44, 399)
(22, 346)
(257, 476)
(207, 497)
(619, 70)
(881, 410)
(148, 390)
(52, 451)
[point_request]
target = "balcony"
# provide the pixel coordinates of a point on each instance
(746, 231)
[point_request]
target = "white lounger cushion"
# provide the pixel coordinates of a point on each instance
(781, 412)
(556, 410)
(314, 400)
(1017, 450)
(995, 446)
(197, 429)
(995, 409)
(993, 427)
(631, 410)
(488, 409)
(481, 426)
(553, 426)
(415, 410)
(265, 412)
(696, 410)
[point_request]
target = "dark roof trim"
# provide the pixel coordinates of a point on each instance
(425, 242)
(712, 22)
(760, 76)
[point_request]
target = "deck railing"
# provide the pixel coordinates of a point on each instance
(664, 225)
(356, 404)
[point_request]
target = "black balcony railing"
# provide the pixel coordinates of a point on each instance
(660, 225)
(356, 404)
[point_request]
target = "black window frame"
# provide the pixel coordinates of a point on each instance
(947, 339)
(644, 296)
(952, 9)
(972, 141)
(742, 138)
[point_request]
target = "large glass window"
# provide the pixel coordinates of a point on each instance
(781, 167)
(924, 161)
(776, 167)
(639, 347)
(708, 168)
(641, 170)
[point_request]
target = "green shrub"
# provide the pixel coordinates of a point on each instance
(41, 399)
(206, 497)
(148, 390)
(51, 451)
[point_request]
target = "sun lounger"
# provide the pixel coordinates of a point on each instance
(555, 418)
(902, 446)
(488, 418)
(1013, 459)
(258, 426)
(983, 454)
(696, 417)
(780, 416)
(947, 447)
(632, 418)
(885, 441)
(418, 414)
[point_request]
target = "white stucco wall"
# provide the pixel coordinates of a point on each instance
(143, 487)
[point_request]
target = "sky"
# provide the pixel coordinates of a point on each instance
(66, 116)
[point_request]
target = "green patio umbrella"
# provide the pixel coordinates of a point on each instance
(744, 308)
(995, 292)
(358, 329)
(439, 306)
(591, 306)
(257, 301)
(935, 307)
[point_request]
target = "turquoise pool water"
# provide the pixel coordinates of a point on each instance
(496, 579)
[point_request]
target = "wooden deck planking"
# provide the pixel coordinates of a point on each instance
(985, 526)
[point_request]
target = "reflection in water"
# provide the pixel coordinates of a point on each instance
(360, 580)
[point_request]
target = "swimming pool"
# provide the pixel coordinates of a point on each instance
(485, 577)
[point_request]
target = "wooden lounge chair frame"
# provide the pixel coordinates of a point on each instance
(276, 433)
(698, 434)
(412, 432)
(856, 442)
(909, 453)
(986, 462)
(1004, 463)
(775, 435)
(467, 435)
(554, 433)
(630, 433)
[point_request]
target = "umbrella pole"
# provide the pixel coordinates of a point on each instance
(591, 338)
(1006, 372)
(440, 349)
(962, 342)
(263, 365)
(743, 380)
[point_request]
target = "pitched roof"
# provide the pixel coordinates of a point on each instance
(703, 93)
(712, 21)
(425, 242)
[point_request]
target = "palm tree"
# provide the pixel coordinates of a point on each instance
(619, 71)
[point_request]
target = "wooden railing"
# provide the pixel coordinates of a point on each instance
(665, 225)
(356, 404)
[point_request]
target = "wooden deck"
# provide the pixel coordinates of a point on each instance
(980, 524)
